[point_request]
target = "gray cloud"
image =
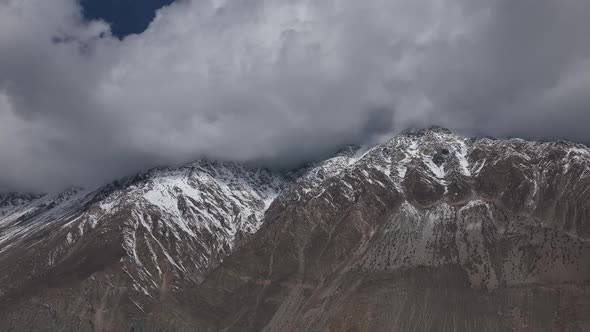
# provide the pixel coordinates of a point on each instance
(278, 82)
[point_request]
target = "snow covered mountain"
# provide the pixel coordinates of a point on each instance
(428, 231)
(141, 238)
(13, 202)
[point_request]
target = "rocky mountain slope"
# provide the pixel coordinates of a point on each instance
(428, 231)
(97, 259)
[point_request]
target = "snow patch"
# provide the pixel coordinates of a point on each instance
(462, 157)
(438, 171)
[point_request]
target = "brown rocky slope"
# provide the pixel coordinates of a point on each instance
(429, 231)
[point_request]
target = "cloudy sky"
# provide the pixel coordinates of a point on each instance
(275, 82)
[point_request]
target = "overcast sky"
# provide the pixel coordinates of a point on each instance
(278, 82)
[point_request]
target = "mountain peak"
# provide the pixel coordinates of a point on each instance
(426, 217)
(424, 131)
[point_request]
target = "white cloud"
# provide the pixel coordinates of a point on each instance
(276, 82)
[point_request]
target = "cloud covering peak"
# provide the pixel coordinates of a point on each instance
(278, 82)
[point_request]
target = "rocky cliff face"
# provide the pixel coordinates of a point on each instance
(428, 231)
(96, 259)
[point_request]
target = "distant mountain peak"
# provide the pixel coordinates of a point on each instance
(423, 131)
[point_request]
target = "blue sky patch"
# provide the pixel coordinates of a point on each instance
(125, 16)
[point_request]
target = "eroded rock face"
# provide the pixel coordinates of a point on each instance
(97, 259)
(103, 259)
(483, 235)
(428, 231)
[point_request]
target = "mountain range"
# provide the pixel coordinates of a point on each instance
(428, 231)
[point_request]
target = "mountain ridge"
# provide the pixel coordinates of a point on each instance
(494, 214)
(421, 238)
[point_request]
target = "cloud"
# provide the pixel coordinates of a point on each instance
(278, 82)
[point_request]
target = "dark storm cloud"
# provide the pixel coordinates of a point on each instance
(278, 82)
(524, 70)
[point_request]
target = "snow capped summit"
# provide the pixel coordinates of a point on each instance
(428, 229)
(200, 246)
(152, 232)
